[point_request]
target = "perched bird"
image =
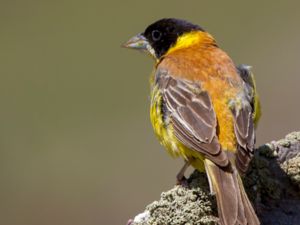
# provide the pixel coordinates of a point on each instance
(203, 108)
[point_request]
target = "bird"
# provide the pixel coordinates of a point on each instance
(204, 109)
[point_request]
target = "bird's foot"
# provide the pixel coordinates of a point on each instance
(182, 181)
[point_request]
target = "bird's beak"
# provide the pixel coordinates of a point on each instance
(137, 42)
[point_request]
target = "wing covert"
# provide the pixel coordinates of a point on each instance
(192, 116)
(244, 115)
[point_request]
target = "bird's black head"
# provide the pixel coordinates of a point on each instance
(161, 35)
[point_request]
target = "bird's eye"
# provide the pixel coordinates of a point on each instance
(156, 35)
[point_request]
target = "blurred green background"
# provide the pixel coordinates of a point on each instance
(76, 144)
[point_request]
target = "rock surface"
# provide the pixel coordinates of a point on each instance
(272, 183)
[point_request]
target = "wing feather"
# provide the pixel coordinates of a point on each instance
(244, 121)
(193, 117)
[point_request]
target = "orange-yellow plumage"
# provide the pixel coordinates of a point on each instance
(214, 70)
(203, 108)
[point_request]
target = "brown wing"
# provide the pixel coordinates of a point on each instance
(244, 131)
(192, 116)
(244, 124)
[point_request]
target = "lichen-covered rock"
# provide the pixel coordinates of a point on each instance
(272, 183)
(188, 205)
(290, 156)
(292, 169)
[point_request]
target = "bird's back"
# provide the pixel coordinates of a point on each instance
(215, 72)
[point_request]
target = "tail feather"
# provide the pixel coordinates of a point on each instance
(249, 211)
(234, 207)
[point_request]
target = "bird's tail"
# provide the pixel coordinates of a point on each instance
(234, 207)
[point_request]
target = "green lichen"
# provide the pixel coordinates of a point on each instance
(292, 169)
